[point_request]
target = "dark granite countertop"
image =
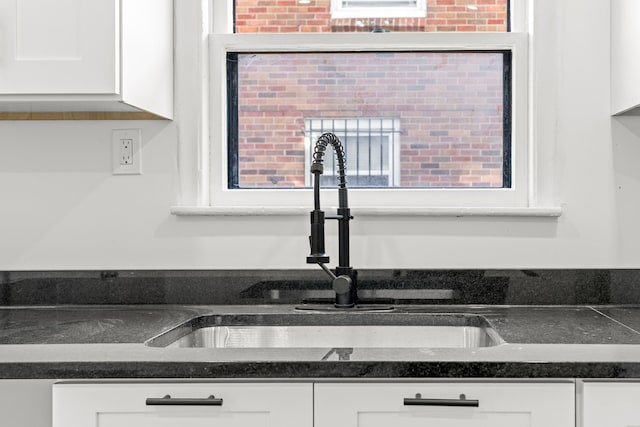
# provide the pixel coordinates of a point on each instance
(109, 342)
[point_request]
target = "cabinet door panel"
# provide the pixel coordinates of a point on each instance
(611, 404)
(500, 405)
(124, 405)
(59, 47)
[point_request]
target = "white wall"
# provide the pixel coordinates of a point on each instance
(60, 207)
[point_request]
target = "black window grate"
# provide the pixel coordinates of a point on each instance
(369, 143)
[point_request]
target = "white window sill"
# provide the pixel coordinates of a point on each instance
(548, 212)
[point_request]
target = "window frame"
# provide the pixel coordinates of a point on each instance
(517, 196)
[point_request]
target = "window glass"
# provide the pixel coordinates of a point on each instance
(436, 119)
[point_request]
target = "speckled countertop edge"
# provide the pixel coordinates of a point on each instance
(542, 342)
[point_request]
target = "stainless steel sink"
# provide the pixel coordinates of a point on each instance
(357, 330)
(336, 336)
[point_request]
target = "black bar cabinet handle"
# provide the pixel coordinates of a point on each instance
(462, 401)
(179, 401)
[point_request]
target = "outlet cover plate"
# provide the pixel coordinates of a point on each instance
(126, 142)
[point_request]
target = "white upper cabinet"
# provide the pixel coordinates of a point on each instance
(59, 47)
(79, 55)
(625, 56)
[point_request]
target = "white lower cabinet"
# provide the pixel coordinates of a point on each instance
(135, 404)
(305, 404)
(454, 404)
(25, 403)
(611, 404)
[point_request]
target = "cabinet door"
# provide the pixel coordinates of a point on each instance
(498, 405)
(59, 47)
(184, 405)
(611, 405)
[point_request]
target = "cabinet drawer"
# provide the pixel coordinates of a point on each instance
(186, 404)
(419, 404)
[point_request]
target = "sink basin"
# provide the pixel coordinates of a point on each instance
(336, 336)
(356, 330)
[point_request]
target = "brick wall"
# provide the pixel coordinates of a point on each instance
(449, 106)
(282, 16)
(466, 15)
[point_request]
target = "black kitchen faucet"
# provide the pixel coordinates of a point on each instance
(344, 280)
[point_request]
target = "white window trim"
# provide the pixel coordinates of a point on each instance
(339, 12)
(202, 159)
(221, 44)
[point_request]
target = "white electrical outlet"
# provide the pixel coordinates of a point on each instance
(126, 151)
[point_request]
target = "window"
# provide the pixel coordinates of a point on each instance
(453, 133)
(378, 8)
(450, 109)
(371, 148)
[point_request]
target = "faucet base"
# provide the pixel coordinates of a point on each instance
(335, 308)
(345, 306)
